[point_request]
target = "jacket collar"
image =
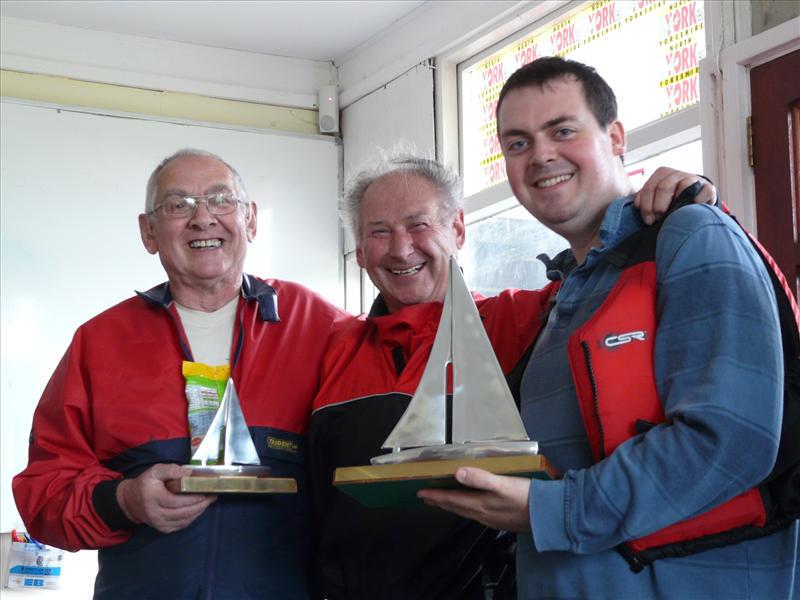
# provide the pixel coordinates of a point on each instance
(407, 327)
(378, 308)
(252, 289)
(266, 296)
(620, 220)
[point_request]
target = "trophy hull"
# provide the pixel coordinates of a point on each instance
(466, 450)
(232, 479)
(396, 484)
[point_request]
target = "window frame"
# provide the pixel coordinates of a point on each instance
(643, 142)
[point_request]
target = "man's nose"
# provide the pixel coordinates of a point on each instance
(202, 217)
(543, 152)
(401, 244)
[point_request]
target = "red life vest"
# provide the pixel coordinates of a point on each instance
(619, 338)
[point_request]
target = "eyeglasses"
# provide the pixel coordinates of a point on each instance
(178, 206)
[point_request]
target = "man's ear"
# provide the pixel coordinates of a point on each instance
(251, 221)
(360, 257)
(459, 228)
(148, 236)
(616, 134)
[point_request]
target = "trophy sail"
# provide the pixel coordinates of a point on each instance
(483, 408)
(229, 424)
(424, 421)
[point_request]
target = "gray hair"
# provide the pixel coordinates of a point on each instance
(442, 178)
(150, 195)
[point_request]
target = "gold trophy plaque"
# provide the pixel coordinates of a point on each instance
(487, 430)
(226, 461)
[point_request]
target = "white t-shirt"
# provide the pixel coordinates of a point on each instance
(210, 333)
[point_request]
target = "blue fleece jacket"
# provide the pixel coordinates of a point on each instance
(717, 366)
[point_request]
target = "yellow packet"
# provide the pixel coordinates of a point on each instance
(205, 386)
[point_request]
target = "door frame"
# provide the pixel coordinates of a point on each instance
(736, 178)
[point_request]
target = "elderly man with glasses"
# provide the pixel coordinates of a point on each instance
(111, 427)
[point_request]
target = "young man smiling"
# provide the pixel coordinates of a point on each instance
(714, 369)
(564, 166)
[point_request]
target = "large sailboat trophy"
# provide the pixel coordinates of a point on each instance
(226, 461)
(486, 428)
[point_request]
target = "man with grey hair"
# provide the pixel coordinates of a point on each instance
(138, 386)
(407, 220)
(405, 185)
(444, 179)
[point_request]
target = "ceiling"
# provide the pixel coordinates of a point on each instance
(316, 30)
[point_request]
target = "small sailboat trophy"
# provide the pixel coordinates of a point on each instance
(487, 430)
(226, 461)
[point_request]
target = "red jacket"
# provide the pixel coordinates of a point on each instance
(116, 405)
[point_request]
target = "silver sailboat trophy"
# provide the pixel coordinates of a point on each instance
(226, 461)
(485, 419)
(487, 430)
(228, 437)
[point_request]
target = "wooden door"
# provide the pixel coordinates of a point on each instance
(775, 95)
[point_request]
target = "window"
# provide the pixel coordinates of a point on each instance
(648, 51)
(359, 291)
(500, 251)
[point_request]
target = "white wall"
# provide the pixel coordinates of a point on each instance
(401, 112)
(34, 47)
(431, 30)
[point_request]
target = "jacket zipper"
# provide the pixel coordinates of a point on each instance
(595, 401)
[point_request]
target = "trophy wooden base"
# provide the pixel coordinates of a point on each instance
(232, 484)
(231, 479)
(388, 485)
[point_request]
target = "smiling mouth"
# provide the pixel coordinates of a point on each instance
(409, 271)
(215, 243)
(551, 181)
